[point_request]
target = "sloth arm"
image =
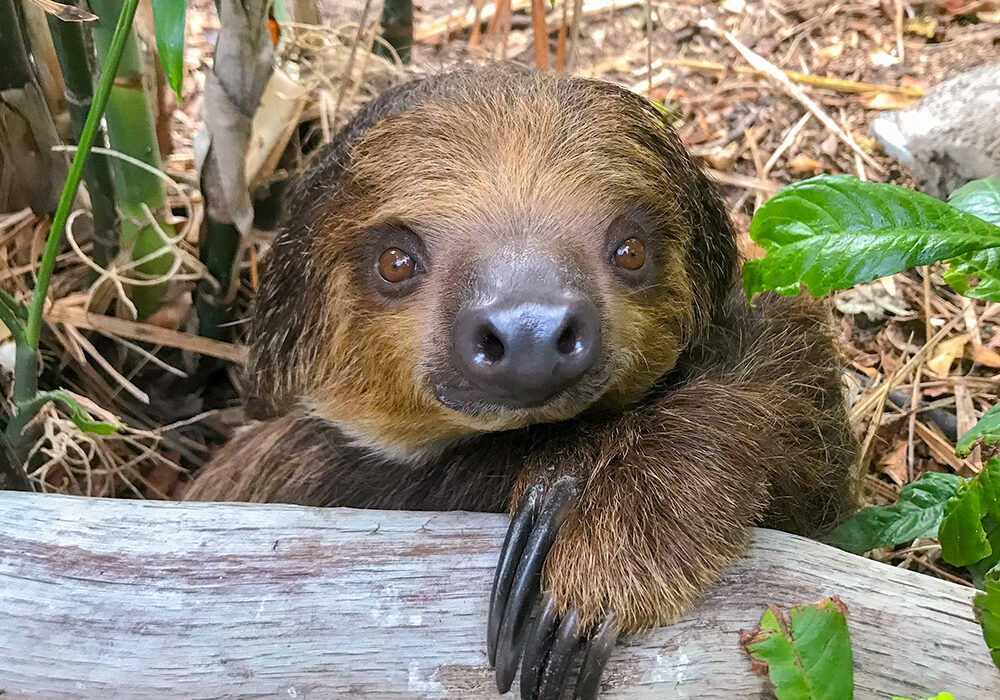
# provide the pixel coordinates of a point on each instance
(753, 430)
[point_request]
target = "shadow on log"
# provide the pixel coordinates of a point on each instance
(129, 599)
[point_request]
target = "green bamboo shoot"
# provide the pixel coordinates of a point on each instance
(76, 65)
(132, 131)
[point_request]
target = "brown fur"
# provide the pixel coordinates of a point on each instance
(714, 417)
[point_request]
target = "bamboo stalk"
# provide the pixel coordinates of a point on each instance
(77, 69)
(132, 131)
(26, 353)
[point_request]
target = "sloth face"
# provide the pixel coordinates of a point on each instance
(499, 258)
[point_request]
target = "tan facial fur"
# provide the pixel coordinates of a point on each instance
(544, 174)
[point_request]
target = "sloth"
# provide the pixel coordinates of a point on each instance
(505, 290)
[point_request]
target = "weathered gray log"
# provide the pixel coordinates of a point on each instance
(128, 599)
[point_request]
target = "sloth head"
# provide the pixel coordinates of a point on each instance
(485, 250)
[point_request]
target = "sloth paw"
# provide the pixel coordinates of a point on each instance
(553, 643)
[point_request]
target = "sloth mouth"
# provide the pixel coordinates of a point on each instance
(464, 397)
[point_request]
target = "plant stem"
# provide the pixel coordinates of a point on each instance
(132, 131)
(77, 66)
(33, 328)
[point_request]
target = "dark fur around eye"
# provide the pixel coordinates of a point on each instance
(372, 243)
(645, 227)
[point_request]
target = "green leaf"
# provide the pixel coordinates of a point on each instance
(917, 513)
(78, 414)
(168, 25)
(808, 654)
(987, 430)
(980, 198)
(832, 232)
(987, 610)
(962, 536)
(976, 275)
(981, 568)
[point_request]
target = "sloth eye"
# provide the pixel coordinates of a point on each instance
(396, 265)
(631, 254)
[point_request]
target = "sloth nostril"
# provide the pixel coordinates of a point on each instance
(569, 340)
(489, 348)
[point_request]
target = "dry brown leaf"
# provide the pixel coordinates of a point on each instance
(67, 13)
(723, 158)
(802, 163)
(886, 100)
(893, 463)
(832, 51)
(983, 355)
(922, 26)
(946, 353)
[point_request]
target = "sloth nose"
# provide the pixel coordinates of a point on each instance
(524, 353)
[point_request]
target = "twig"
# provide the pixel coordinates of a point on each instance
(786, 142)
(819, 81)
(540, 34)
(899, 29)
(751, 183)
(145, 332)
(350, 61)
(762, 64)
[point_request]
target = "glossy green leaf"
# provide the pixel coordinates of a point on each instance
(832, 232)
(917, 513)
(807, 652)
(168, 25)
(979, 570)
(976, 275)
(963, 537)
(986, 606)
(980, 198)
(987, 430)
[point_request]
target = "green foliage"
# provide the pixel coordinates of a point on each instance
(807, 652)
(27, 398)
(77, 413)
(980, 198)
(962, 533)
(987, 430)
(168, 25)
(976, 275)
(832, 232)
(917, 513)
(987, 609)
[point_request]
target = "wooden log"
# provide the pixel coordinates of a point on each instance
(130, 599)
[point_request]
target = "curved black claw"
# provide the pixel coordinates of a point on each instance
(560, 657)
(595, 658)
(551, 649)
(519, 573)
(513, 545)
